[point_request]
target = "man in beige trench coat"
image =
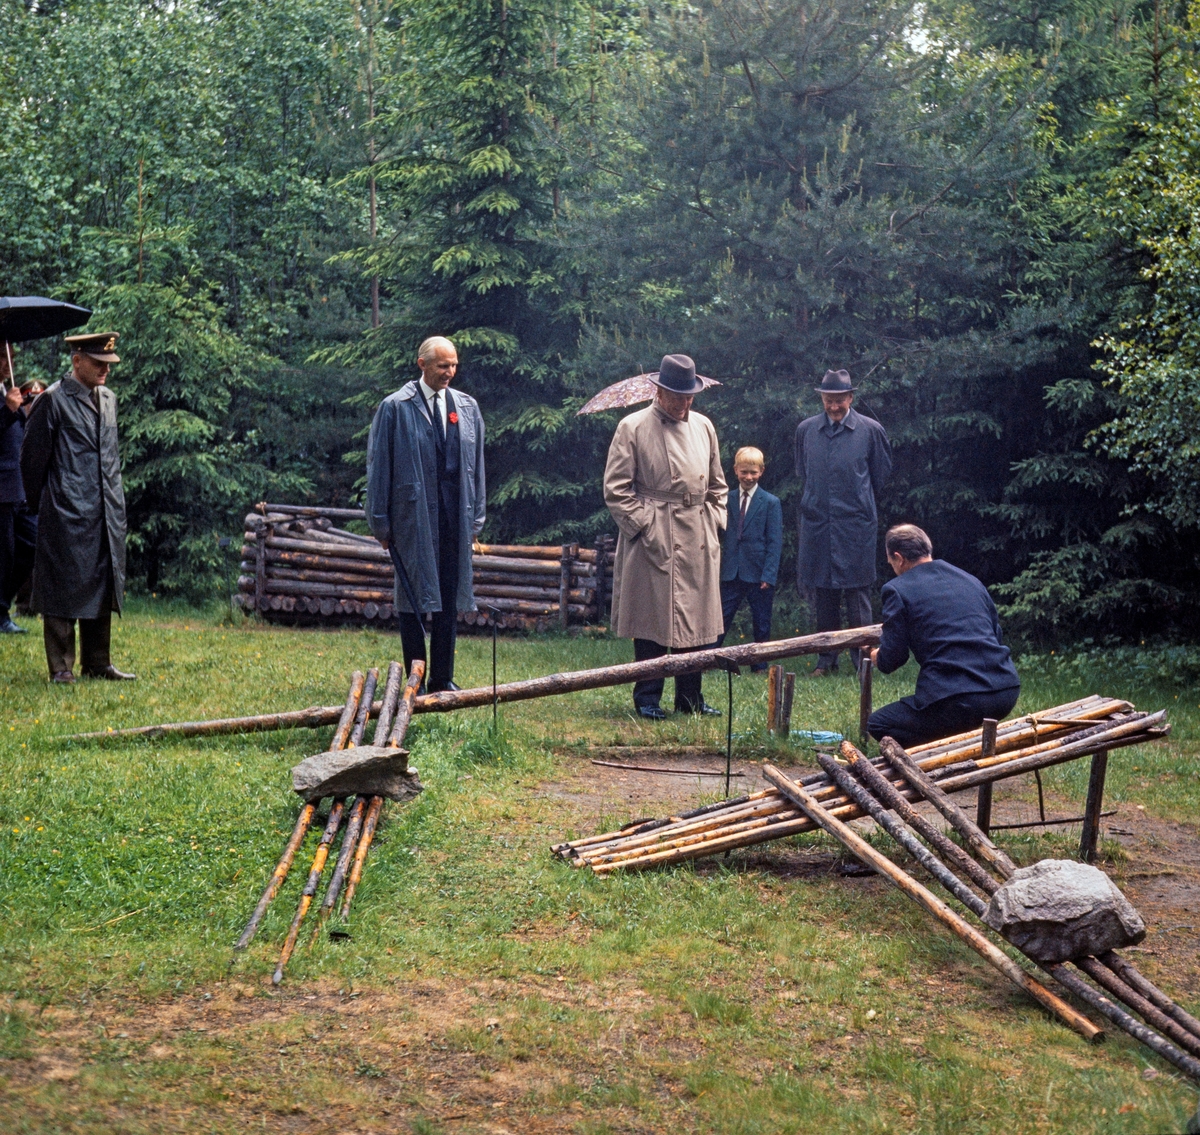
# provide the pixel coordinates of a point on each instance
(666, 490)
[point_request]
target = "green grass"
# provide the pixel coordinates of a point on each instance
(720, 999)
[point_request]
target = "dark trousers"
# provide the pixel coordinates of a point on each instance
(827, 606)
(95, 636)
(18, 540)
(910, 726)
(736, 591)
(444, 634)
(688, 695)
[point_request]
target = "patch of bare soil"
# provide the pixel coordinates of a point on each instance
(320, 1059)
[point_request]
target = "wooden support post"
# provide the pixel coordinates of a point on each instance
(785, 709)
(774, 688)
(601, 576)
(866, 670)
(564, 582)
(983, 808)
(1091, 812)
(260, 567)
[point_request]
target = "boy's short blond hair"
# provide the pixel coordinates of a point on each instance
(748, 455)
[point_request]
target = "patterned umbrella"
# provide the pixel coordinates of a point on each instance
(629, 392)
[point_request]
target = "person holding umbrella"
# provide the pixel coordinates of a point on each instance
(72, 473)
(18, 528)
(665, 488)
(844, 459)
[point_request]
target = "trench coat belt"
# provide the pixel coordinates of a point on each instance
(687, 500)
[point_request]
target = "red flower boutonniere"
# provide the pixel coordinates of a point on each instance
(453, 416)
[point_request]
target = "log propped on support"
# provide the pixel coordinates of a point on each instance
(671, 666)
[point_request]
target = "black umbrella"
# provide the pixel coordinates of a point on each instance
(35, 317)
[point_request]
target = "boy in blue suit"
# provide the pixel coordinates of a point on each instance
(753, 543)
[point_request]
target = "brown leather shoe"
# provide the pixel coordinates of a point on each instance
(63, 678)
(112, 674)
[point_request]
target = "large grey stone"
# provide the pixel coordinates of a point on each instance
(1059, 909)
(368, 770)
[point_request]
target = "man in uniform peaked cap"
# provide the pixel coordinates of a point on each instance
(72, 473)
(844, 460)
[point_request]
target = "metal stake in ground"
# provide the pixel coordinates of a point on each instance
(728, 732)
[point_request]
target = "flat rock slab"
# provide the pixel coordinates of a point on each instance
(367, 770)
(1059, 909)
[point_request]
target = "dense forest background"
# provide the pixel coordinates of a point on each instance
(986, 212)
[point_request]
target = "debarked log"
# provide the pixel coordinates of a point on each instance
(721, 658)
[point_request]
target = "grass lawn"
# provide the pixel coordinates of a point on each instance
(488, 988)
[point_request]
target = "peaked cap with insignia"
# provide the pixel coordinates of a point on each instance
(98, 346)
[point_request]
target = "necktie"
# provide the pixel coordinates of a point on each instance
(742, 514)
(437, 416)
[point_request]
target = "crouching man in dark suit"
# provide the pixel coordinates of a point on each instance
(753, 544)
(947, 619)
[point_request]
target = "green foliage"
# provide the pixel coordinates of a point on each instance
(958, 202)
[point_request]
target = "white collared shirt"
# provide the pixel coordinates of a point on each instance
(747, 495)
(428, 393)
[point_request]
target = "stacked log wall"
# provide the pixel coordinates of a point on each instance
(299, 566)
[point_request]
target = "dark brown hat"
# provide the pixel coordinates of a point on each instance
(677, 373)
(836, 382)
(99, 346)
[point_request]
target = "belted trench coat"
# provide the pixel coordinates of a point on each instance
(72, 472)
(666, 490)
(402, 494)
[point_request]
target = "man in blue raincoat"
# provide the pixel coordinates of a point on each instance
(426, 502)
(844, 460)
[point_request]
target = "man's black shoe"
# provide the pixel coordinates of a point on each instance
(111, 674)
(707, 710)
(652, 712)
(7, 626)
(443, 689)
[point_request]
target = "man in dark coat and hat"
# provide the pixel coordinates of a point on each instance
(72, 473)
(18, 528)
(427, 502)
(844, 460)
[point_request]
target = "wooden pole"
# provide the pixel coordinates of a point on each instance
(976, 839)
(884, 790)
(1131, 976)
(374, 808)
(983, 805)
(346, 722)
(310, 887)
(774, 689)
(366, 698)
(404, 710)
(991, 953)
(785, 712)
(1090, 835)
(278, 875)
(260, 567)
(446, 701)
(349, 846)
(387, 708)
(564, 583)
(866, 670)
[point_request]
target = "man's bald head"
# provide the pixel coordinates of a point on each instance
(438, 361)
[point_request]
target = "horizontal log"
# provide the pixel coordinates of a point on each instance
(529, 607)
(509, 564)
(671, 666)
(312, 510)
(351, 579)
(313, 547)
(326, 590)
(520, 551)
(516, 579)
(329, 563)
(508, 592)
